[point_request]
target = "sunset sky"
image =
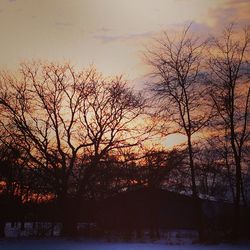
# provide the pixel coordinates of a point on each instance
(110, 34)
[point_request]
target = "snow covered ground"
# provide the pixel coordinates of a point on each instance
(61, 244)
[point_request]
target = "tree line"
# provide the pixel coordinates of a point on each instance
(69, 135)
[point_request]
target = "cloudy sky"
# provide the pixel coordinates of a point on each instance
(108, 33)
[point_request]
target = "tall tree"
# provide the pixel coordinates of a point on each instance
(176, 86)
(230, 92)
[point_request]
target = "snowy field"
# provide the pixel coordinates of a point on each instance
(60, 244)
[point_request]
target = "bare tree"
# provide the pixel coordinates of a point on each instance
(40, 111)
(230, 91)
(111, 118)
(177, 89)
(57, 115)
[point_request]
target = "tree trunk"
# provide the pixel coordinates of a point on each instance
(69, 223)
(67, 215)
(244, 200)
(236, 216)
(191, 164)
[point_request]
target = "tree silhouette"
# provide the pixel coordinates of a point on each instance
(230, 92)
(176, 87)
(56, 115)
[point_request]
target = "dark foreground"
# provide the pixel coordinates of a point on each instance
(63, 244)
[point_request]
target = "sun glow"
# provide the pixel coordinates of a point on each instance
(174, 140)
